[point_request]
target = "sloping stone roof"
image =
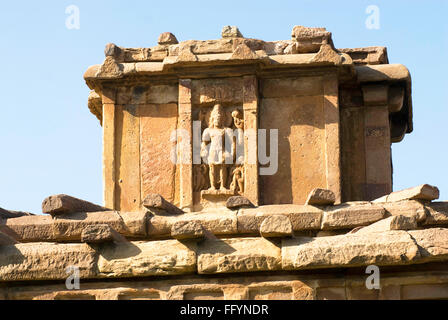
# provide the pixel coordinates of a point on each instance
(394, 231)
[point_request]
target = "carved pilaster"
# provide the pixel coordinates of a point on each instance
(377, 141)
(109, 179)
(250, 108)
(185, 147)
(332, 138)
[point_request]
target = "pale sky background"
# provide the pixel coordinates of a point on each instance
(50, 143)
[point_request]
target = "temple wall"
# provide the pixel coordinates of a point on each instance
(302, 109)
(294, 107)
(341, 285)
(144, 118)
(367, 133)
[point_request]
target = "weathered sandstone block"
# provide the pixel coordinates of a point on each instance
(156, 53)
(132, 259)
(387, 248)
(187, 230)
(219, 222)
(320, 197)
(70, 226)
(292, 48)
(173, 50)
(62, 203)
(167, 38)
(156, 201)
(209, 46)
(277, 47)
(238, 255)
(433, 243)
(236, 202)
(115, 55)
(160, 226)
(6, 214)
(276, 226)
(29, 228)
(421, 192)
(186, 54)
(135, 222)
(409, 208)
(326, 54)
(382, 72)
(437, 213)
(231, 32)
(97, 233)
(390, 223)
(350, 216)
(301, 217)
(148, 67)
(109, 69)
(310, 39)
(253, 44)
(243, 52)
(112, 50)
(45, 261)
(301, 32)
(367, 55)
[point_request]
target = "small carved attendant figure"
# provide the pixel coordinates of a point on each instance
(200, 177)
(237, 180)
(238, 119)
(218, 140)
(238, 147)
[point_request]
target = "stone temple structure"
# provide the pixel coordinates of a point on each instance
(239, 168)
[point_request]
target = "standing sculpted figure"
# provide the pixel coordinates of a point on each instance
(216, 149)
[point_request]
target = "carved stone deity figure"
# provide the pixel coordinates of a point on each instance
(238, 147)
(237, 184)
(216, 149)
(238, 119)
(200, 177)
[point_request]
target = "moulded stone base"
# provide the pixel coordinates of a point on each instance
(425, 282)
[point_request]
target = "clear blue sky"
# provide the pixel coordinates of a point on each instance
(50, 143)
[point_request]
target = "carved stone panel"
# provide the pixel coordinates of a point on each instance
(219, 170)
(218, 140)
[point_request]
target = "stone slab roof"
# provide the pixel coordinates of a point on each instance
(405, 228)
